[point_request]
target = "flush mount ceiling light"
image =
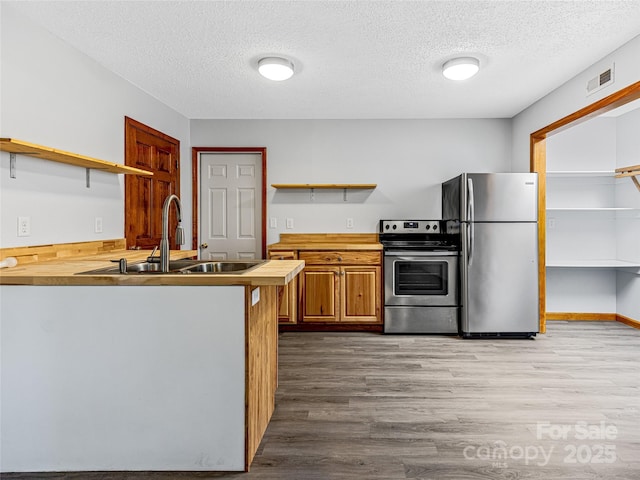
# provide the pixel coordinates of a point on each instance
(275, 68)
(461, 68)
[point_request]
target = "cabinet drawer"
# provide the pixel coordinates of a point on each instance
(354, 257)
(282, 255)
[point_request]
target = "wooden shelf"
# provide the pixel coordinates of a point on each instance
(631, 171)
(326, 186)
(312, 187)
(14, 146)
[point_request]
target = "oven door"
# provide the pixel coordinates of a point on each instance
(419, 278)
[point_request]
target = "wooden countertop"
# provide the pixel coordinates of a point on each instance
(327, 241)
(63, 272)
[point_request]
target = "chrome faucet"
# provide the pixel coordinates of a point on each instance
(164, 243)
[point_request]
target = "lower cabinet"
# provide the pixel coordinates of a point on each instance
(340, 287)
(287, 294)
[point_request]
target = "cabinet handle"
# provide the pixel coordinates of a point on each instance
(339, 259)
(204, 245)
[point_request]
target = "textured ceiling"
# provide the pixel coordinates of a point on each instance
(353, 59)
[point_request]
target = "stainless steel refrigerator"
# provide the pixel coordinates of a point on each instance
(497, 217)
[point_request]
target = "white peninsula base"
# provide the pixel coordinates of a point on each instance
(99, 378)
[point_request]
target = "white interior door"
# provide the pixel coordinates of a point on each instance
(230, 206)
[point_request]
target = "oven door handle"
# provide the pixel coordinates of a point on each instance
(418, 253)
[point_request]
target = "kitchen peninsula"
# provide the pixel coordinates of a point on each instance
(136, 372)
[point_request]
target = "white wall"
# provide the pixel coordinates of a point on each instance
(586, 235)
(571, 97)
(408, 159)
(53, 95)
(575, 235)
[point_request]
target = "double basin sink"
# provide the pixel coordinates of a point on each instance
(182, 267)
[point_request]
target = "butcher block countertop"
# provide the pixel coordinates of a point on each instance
(63, 271)
(327, 241)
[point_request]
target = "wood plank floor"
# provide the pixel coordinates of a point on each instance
(370, 406)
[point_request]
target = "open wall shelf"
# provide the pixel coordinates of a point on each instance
(14, 147)
(334, 186)
(312, 187)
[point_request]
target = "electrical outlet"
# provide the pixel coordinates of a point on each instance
(98, 225)
(289, 223)
(349, 222)
(24, 226)
(273, 222)
(255, 296)
(551, 223)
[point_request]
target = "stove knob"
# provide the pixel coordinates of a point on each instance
(435, 227)
(428, 226)
(386, 227)
(395, 226)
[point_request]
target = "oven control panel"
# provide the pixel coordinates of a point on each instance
(412, 226)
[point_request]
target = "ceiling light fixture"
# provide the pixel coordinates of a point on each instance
(275, 68)
(461, 68)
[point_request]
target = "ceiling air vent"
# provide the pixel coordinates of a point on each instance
(600, 81)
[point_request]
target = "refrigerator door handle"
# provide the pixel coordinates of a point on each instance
(471, 218)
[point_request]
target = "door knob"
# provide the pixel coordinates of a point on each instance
(204, 245)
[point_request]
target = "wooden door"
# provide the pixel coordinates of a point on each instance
(151, 150)
(360, 289)
(319, 294)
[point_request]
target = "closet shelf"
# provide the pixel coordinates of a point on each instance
(631, 171)
(590, 209)
(14, 146)
(591, 264)
(581, 173)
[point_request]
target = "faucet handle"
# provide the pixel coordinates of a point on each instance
(122, 265)
(151, 258)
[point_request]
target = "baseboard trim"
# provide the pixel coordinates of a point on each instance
(628, 321)
(582, 317)
(593, 317)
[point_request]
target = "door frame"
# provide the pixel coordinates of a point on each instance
(195, 185)
(538, 164)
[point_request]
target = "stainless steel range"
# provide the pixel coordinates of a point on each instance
(420, 277)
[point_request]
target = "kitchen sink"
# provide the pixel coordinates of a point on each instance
(182, 267)
(222, 267)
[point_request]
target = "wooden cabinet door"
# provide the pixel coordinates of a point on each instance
(287, 312)
(319, 294)
(360, 291)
